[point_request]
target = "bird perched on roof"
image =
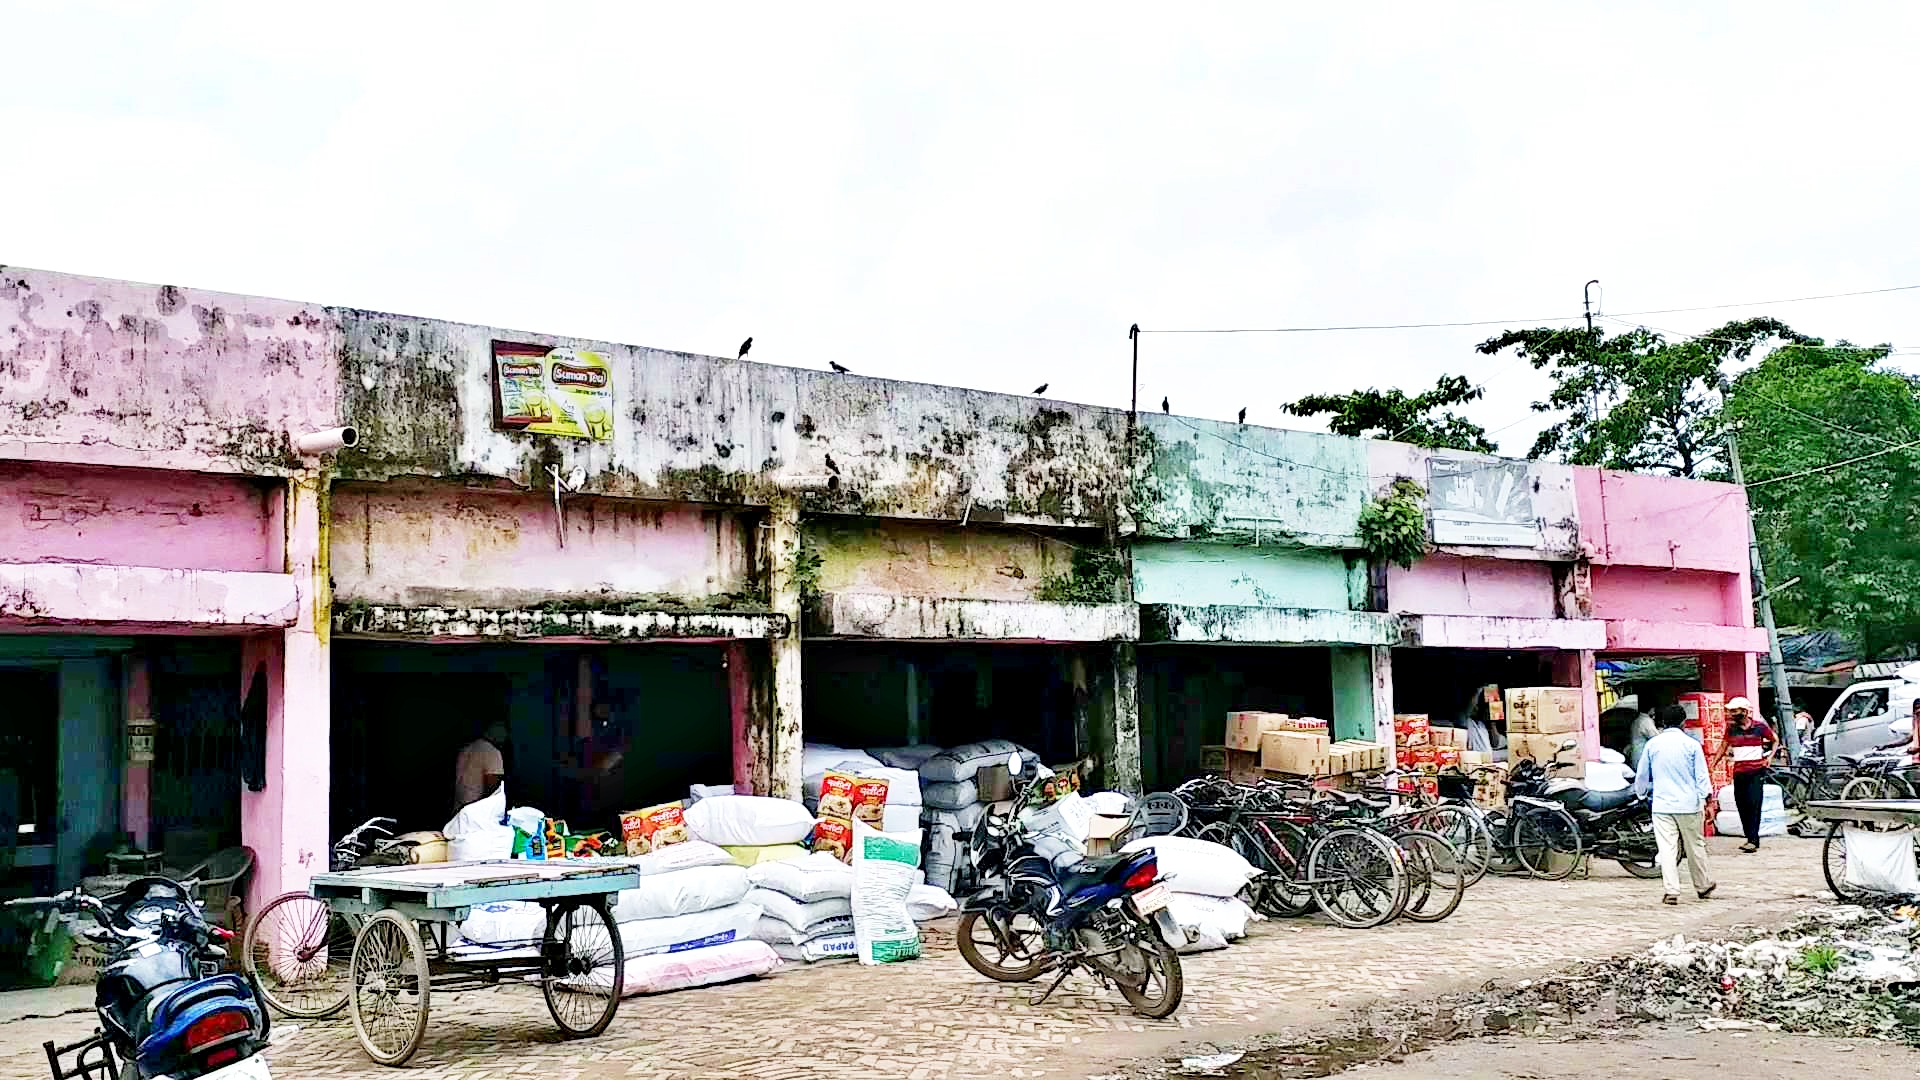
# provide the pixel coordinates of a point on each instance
(1041, 389)
(744, 346)
(841, 368)
(1243, 416)
(831, 466)
(1164, 407)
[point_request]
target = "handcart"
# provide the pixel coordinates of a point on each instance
(1861, 813)
(406, 945)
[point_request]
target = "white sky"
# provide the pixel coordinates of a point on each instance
(988, 198)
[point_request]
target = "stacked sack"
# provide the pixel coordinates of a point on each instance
(1205, 879)
(752, 828)
(903, 782)
(806, 906)
(689, 923)
(952, 805)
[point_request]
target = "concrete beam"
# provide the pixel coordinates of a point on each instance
(1639, 635)
(1266, 625)
(84, 594)
(928, 618)
(520, 624)
(1502, 632)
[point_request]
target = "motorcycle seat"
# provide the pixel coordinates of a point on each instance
(1089, 871)
(1602, 801)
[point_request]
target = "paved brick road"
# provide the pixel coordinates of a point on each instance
(936, 1018)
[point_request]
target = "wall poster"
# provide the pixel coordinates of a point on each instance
(552, 391)
(1481, 502)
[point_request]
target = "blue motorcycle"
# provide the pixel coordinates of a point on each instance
(165, 1011)
(1023, 915)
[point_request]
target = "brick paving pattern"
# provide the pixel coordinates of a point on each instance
(936, 1018)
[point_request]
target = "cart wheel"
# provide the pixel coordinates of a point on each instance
(298, 952)
(1833, 864)
(586, 969)
(390, 988)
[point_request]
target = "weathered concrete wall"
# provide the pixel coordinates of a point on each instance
(1688, 596)
(1203, 478)
(922, 618)
(1555, 505)
(1502, 632)
(1267, 625)
(414, 544)
(1195, 573)
(133, 517)
(906, 558)
(1451, 585)
(113, 599)
(116, 373)
(1662, 521)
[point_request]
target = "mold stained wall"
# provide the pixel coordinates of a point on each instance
(908, 558)
(134, 517)
(1666, 549)
(1555, 505)
(1227, 574)
(1206, 478)
(423, 544)
(155, 376)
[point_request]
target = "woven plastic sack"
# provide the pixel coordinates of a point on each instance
(1881, 862)
(748, 821)
(819, 876)
(1197, 866)
(699, 967)
(662, 896)
(885, 869)
(696, 931)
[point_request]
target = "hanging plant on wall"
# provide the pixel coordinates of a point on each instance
(1393, 527)
(1094, 578)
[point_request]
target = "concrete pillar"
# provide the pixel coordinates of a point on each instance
(1117, 728)
(1353, 704)
(1575, 669)
(749, 699)
(1382, 676)
(781, 743)
(286, 824)
(136, 790)
(1732, 674)
(90, 749)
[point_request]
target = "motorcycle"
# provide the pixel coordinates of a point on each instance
(165, 1011)
(1105, 915)
(1615, 825)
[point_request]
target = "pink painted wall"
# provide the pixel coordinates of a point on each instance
(134, 517)
(1662, 521)
(114, 372)
(413, 544)
(1692, 596)
(1451, 585)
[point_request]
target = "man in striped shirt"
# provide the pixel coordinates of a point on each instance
(1750, 743)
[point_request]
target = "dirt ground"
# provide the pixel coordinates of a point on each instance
(1675, 1053)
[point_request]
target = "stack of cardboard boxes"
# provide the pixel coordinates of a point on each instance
(1540, 719)
(1416, 755)
(1258, 743)
(1707, 721)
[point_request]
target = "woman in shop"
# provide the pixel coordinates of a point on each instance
(1750, 745)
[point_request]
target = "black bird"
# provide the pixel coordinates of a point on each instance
(1041, 389)
(1243, 416)
(841, 368)
(1164, 407)
(831, 467)
(744, 346)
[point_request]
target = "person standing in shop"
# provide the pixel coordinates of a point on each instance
(1750, 745)
(480, 766)
(1673, 769)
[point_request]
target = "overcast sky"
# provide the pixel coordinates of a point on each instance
(989, 198)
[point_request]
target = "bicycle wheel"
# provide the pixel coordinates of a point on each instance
(1436, 875)
(588, 969)
(1547, 842)
(1275, 892)
(391, 988)
(1357, 876)
(1866, 787)
(298, 953)
(1466, 829)
(1833, 863)
(1500, 856)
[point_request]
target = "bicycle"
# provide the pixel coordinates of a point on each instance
(298, 950)
(1533, 834)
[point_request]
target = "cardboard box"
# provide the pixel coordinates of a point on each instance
(1302, 723)
(1243, 766)
(1543, 710)
(1540, 748)
(1496, 707)
(1474, 759)
(1296, 753)
(1213, 759)
(1357, 755)
(1245, 728)
(1100, 833)
(1411, 729)
(1447, 757)
(1446, 736)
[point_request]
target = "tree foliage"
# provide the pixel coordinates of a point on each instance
(1422, 419)
(1635, 400)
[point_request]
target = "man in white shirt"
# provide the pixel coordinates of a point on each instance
(479, 767)
(1674, 768)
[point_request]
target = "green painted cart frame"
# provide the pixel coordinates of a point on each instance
(406, 947)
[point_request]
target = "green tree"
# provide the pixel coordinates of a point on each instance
(1851, 534)
(1420, 419)
(1635, 400)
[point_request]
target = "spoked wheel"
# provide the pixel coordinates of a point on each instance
(1275, 892)
(298, 952)
(1500, 856)
(390, 988)
(1002, 945)
(1647, 864)
(1547, 842)
(586, 969)
(1466, 830)
(1833, 862)
(1147, 971)
(1867, 787)
(1436, 875)
(1358, 877)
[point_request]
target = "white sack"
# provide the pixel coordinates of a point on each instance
(929, 902)
(954, 795)
(1773, 813)
(776, 933)
(1197, 866)
(1608, 776)
(1881, 862)
(505, 922)
(819, 757)
(682, 892)
(904, 757)
(1110, 803)
(682, 856)
(694, 931)
(1205, 939)
(796, 914)
(819, 876)
(835, 947)
(696, 792)
(883, 876)
(961, 762)
(1223, 916)
(479, 831)
(1070, 816)
(525, 818)
(749, 821)
(899, 818)
(698, 967)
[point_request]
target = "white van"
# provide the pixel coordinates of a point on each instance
(1868, 715)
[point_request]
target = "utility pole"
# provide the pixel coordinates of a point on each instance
(1776, 664)
(1586, 304)
(1133, 414)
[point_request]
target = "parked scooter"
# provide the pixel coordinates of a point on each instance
(165, 1011)
(1616, 825)
(1023, 917)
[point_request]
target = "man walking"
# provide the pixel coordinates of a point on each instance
(1674, 769)
(1750, 743)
